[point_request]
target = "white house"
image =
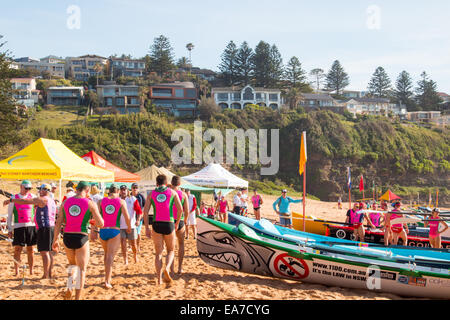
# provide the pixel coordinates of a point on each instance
(238, 97)
(25, 92)
(374, 106)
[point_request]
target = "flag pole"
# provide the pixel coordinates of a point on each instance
(437, 198)
(304, 198)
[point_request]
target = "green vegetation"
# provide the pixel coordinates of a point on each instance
(390, 155)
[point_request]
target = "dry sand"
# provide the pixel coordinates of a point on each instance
(199, 281)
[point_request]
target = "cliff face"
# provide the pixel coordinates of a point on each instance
(406, 158)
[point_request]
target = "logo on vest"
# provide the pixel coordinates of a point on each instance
(110, 209)
(74, 210)
(161, 198)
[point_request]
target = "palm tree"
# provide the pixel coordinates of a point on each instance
(190, 47)
(98, 68)
(293, 96)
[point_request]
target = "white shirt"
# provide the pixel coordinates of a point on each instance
(237, 201)
(70, 194)
(130, 208)
(191, 202)
(97, 198)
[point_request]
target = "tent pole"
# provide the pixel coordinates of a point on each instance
(60, 190)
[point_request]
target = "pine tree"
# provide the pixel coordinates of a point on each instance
(294, 74)
(262, 64)
(318, 75)
(337, 79)
(427, 96)
(228, 67)
(10, 122)
(276, 67)
(162, 57)
(244, 63)
(380, 84)
(404, 89)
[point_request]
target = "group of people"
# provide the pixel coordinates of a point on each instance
(385, 220)
(116, 220)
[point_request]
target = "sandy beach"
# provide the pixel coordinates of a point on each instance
(199, 281)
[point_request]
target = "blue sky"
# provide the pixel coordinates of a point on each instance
(413, 35)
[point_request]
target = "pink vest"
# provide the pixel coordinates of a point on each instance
(355, 217)
(223, 206)
(77, 215)
(434, 226)
(175, 211)
(23, 213)
(163, 203)
(256, 201)
(111, 212)
(395, 216)
(375, 218)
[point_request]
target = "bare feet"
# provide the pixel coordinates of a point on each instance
(108, 285)
(167, 277)
(180, 271)
(68, 295)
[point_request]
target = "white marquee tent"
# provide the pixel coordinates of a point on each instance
(215, 176)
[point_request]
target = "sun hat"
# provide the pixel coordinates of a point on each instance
(46, 187)
(27, 184)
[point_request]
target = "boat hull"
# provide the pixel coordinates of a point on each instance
(223, 246)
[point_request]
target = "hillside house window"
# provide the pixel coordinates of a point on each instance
(273, 97)
(222, 96)
(191, 93)
(248, 94)
(160, 92)
(236, 96)
(179, 93)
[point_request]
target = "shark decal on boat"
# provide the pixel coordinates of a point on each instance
(223, 250)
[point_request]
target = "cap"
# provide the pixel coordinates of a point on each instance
(27, 184)
(134, 185)
(284, 191)
(436, 210)
(45, 186)
(53, 185)
(82, 185)
(123, 187)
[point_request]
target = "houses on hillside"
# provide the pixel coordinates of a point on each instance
(25, 93)
(65, 96)
(84, 67)
(178, 98)
(123, 98)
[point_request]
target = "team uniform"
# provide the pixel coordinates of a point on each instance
(163, 219)
(76, 218)
(111, 212)
(175, 211)
(21, 221)
(44, 219)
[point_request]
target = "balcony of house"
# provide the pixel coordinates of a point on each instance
(161, 93)
(63, 101)
(65, 94)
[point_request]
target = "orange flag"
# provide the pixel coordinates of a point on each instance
(303, 154)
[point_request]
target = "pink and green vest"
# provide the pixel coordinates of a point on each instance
(76, 215)
(111, 210)
(163, 202)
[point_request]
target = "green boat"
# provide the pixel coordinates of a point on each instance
(241, 249)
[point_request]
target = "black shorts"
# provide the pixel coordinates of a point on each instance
(181, 225)
(256, 209)
(150, 219)
(237, 210)
(164, 228)
(75, 240)
(45, 239)
(25, 236)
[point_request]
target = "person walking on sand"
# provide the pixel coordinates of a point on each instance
(434, 223)
(21, 226)
(257, 202)
(135, 214)
(181, 218)
(76, 213)
(284, 210)
(112, 209)
(191, 220)
(163, 199)
(140, 198)
(44, 218)
(222, 208)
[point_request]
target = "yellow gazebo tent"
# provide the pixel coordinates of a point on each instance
(47, 159)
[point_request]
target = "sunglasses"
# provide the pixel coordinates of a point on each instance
(28, 188)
